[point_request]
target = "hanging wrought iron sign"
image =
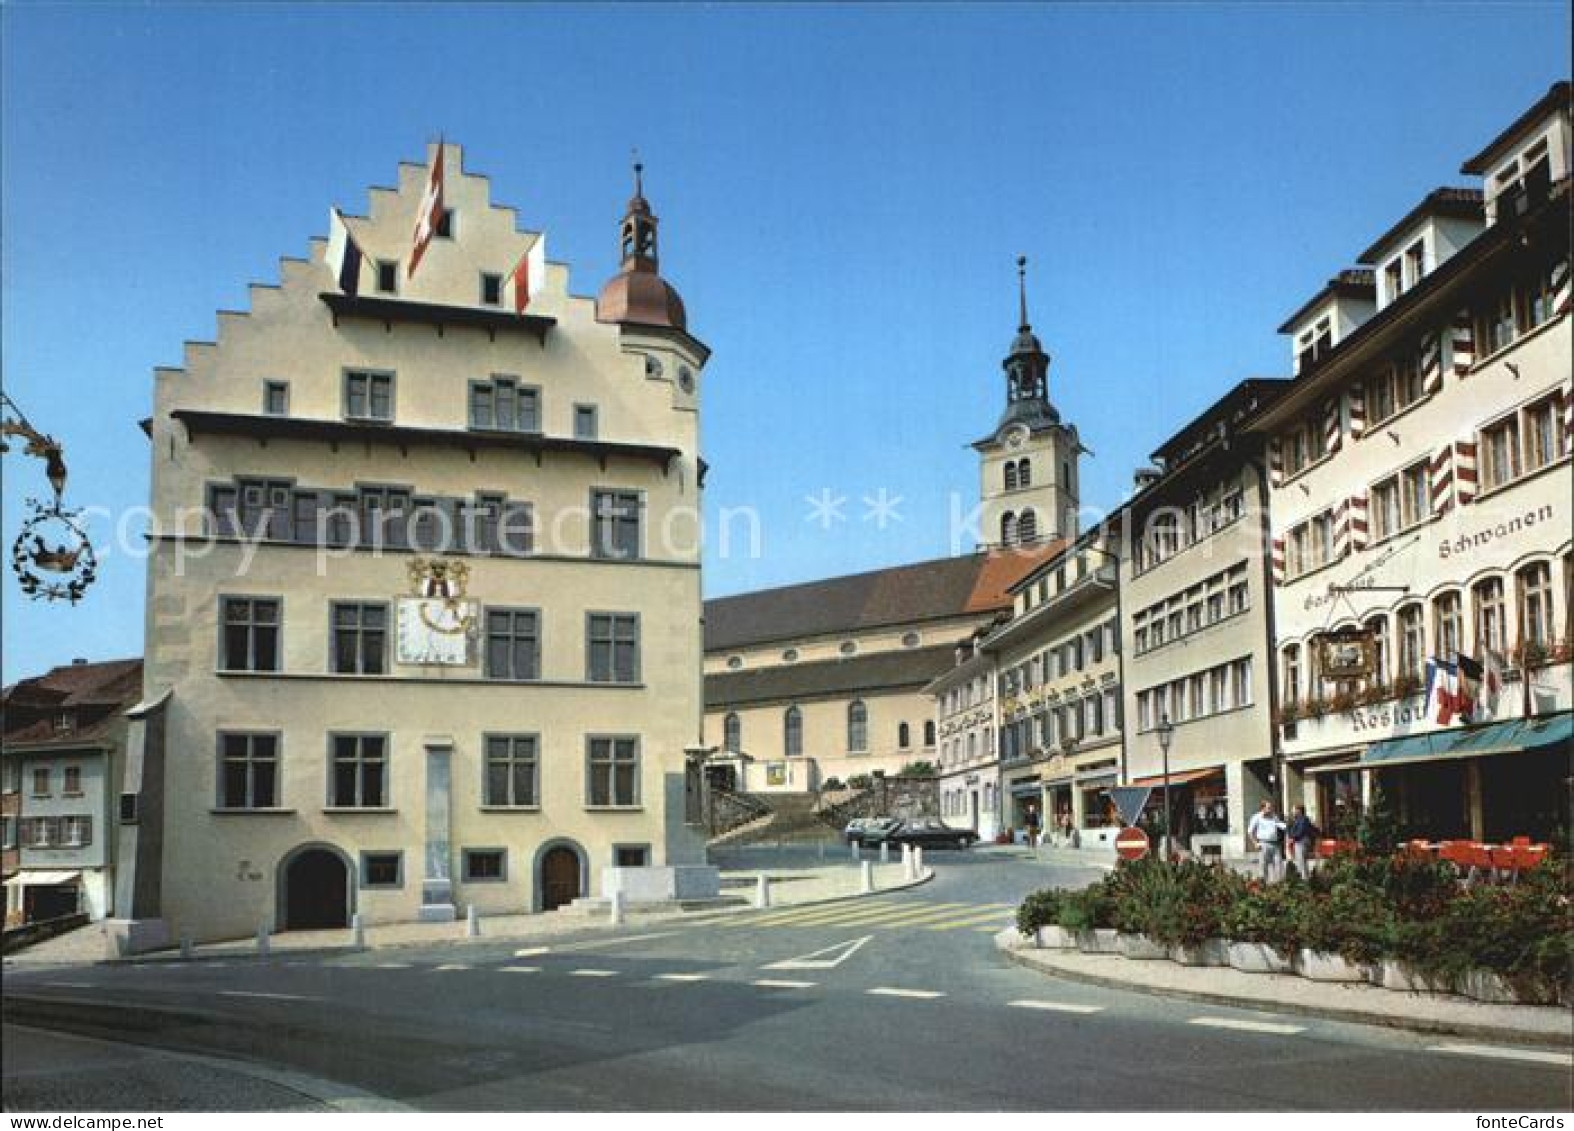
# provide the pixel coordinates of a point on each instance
(1347, 654)
(52, 556)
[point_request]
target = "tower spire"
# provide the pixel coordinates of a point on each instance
(1022, 323)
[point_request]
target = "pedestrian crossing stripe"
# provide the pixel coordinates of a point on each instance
(1002, 916)
(797, 913)
(858, 916)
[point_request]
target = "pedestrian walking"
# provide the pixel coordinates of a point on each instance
(1267, 832)
(1301, 834)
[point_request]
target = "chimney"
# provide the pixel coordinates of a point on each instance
(1145, 477)
(79, 661)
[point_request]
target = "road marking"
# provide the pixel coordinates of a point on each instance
(772, 918)
(519, 969)
(827, 958)
(452, 966)
(532, 951)
(391, 965)
(1000, 918)
(682, 977)
(586, 972)
(883, 918)
(894, 991)
(258, 993)
(593, 944)
(987, 930)
(71, 985)
(1246, 1026)
(783, 984)
(1536, 1056)
(1056, 1006)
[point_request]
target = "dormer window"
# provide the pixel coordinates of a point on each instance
(1523, 181)
(1314, 342)
(1415, 262)
(65, 722)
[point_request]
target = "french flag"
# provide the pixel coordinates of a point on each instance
(344, 257)
(524, 281)
(1447, 695)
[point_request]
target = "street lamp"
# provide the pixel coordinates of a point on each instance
(1166, 731)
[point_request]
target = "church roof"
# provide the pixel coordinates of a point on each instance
(906, 594)
(904, 669)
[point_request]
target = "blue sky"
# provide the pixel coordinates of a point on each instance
(842, 189)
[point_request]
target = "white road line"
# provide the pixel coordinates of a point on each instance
(452, 966)
(893, 991)
(1056, 1006)
(258, 993)
(71, 985)
(682, 977)
(1536, 1056)
(532, 951)
(390, 965)
(782, 984)
(519, 969)
(1246, 1026)
(827, 958)
(590, 973)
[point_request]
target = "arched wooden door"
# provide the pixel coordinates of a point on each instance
(559, 877)
(316, 891)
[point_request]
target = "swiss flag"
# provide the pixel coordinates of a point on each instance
(430, 214)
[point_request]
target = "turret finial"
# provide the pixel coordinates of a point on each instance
(1022, 291)
(639, 174)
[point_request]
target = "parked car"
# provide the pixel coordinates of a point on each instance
(930, 833)
(869, 830)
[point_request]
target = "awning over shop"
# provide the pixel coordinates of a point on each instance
(1511, 737)
(1024, 788)
(1179, 777)
(42, 879)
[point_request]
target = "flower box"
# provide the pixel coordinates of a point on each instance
(1490, 986)
(1323, 966)
(1401, 977)
(1101, 940)
(1257, 958)
(1055, 938)
(1209, 952)
(1141, 948)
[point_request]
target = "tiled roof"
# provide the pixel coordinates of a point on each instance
(1556, 98)
(71, 685)
(907, 669)
(1357, 282)
(924, 591)
(42, 732)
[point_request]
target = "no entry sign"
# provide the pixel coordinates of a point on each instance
(1131, 843)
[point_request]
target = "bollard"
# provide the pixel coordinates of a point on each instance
(918, 862)
(615, 908)
(185, 946)
(907, 862)
(357, 932)
(821, 846)
(262, 940)
(472, 923)
(856, 854)
(866, 870)
(885, 852)
(762, 891)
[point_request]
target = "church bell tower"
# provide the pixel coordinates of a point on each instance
(1029, 463)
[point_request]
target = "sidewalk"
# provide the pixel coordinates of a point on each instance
(789, 887)
(1288, 993)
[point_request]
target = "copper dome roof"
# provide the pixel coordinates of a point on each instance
(643, 297)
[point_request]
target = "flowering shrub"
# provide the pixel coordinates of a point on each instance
(1365, 908)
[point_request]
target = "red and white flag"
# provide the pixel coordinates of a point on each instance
(430, 214)
(1492, 678)
(524, 281)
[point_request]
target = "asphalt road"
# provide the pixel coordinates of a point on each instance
(897, 1003)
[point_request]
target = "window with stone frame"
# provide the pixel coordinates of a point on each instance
(613, 772)
(360, 637)
(513, 771)
(513, 644)
(1448, 623)
(249, 640)
(1412, 641)
(612, 651)
(359, 772)
(1534, 584)
(1491, 631)
(248, 776)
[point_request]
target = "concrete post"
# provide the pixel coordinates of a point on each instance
(885, 852)
(185, 946)
(856, 854)
(472, 923)
(262, 940)
(357, 932)
(866, 877)
(918, 862)
(762, 891)
(615, 908)
(907, 863)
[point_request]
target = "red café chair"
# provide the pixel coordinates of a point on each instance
(1480, 858)
(1520, 842)
(1528, 856)
(1326, 848)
